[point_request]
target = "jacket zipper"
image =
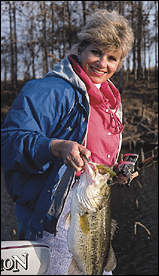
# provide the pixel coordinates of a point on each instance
(85, 137)
(67, 192)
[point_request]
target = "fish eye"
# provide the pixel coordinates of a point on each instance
(102, 171)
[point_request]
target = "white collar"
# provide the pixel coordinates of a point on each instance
(97, 85)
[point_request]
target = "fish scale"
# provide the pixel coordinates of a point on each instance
(89, 234)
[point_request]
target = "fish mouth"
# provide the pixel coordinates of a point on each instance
(102, 169)
(98, 168)
(91, 168)
(94, 169)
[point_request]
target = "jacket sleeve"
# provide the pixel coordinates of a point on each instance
(28, 128)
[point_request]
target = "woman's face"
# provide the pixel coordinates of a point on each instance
(98, 64)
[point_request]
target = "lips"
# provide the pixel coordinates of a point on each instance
(97, 72)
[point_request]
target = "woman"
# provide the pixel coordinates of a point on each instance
(73, 111)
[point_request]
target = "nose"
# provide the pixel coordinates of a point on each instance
(102, 62)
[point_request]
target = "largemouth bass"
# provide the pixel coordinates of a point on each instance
(91, 228)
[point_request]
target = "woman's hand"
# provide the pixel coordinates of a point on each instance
(71, 153)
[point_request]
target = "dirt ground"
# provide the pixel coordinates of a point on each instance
(8, 218)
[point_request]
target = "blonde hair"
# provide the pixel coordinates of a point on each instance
(108, 30)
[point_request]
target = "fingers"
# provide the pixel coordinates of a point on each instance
(71, 152)
(124, 180)
(84, 151)
(73, 162)
(133, 175)
(74, 158)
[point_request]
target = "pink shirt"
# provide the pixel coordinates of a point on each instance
(102, 143)
(104, 126)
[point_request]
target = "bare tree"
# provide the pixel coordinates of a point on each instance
(101, 4)
(43, 35)
(156, 38)
(5, 64)
(11, 43)
(50, 28)
(15, 58)
(52, 36)
(64, 27)
(69, 25)
(84, 11)
(121, 7)
(139, 40)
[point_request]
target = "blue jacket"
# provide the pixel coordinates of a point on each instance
(54, 107)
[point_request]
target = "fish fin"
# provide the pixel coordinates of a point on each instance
(111, 260)
(73, 268)
(114, 226)
(84, 223)
(67, 220)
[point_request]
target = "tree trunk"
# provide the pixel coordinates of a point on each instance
(32, 44)
(44, 37)
(156, 42)
(109, 5)
(149, 59)
(69, 24)
(5, 73)
(139, 40)
(64, 30)
(144, 57)
(84, 12)
(11, 44)
(133, 23)
(101, 4)
(15, 46)
(52, 26)
(121, 7)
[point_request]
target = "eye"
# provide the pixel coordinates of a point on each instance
(112, 58)
(96, 52)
